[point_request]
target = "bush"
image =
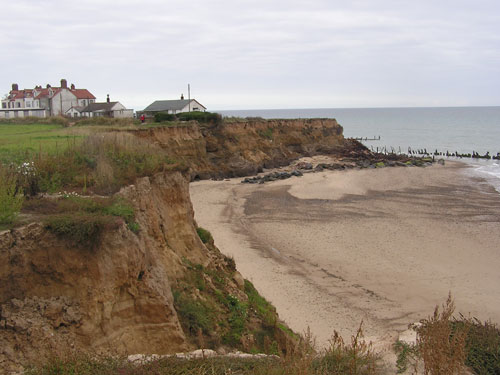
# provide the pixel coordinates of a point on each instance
(164, 116)
(442, 349)
(482, 345)
(10, 200)
(81, 229)
(82, 220)
(201, 117)
(205, 235)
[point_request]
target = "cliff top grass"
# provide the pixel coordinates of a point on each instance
(44, 157)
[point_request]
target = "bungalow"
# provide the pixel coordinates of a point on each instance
(106, 109)
(173, 106)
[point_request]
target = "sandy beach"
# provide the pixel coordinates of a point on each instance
(382, 246)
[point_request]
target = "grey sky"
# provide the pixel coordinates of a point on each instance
(240, 54)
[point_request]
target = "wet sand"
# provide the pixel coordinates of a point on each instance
(384, 246)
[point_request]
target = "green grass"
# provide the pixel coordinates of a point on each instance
(19, 142)
(82, 220)
(262, 307)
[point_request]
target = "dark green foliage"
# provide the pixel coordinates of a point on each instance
(482, 345)
(82, 220)
(81, 229)
(201, 117)
(194, 314)
(237, 321)
(164, 116)
(205, 235)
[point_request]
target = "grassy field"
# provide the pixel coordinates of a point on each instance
(19, 142)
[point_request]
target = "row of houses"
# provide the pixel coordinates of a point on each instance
(77, 102)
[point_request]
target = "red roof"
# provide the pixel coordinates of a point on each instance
(41, 93)
(21, 94)
(82, 94)
(45, 92)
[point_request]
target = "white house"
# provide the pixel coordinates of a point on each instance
(173, 106)
(43, 102)
(106, 109)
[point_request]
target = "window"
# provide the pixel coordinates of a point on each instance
(28, 104)
(84, 102)
(4, 105)
(26, 113)
(7, 114)
(18, 105)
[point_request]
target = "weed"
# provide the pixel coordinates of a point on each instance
(82, 220)
(10, 200)
(482, 345)
(80, 229)
(358, 357)
(134, 227)
(268, 133)
(264, 309)
(194, 314)
(443, 351)
(237, 321)
(406, 355)
(205, 235)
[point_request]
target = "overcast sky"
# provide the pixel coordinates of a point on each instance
(244, 54)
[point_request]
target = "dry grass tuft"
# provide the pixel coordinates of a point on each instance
(441, 348)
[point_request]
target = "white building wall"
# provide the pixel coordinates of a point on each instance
(22, 112)
(123, 113)
(62, 101)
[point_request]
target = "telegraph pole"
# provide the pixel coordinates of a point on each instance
(189, 97)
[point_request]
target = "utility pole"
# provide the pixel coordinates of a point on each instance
(189, 97)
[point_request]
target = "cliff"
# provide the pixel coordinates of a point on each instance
(160, 289)
(237, 149)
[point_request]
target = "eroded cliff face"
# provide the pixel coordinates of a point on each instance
(118, 297)
(244, 148)
(115, 298)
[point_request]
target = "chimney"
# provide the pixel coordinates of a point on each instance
(72, 86)
(107, 99)
(15, 87)
(182, 96)
(64, 84)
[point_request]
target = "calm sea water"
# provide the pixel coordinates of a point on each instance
(461, 129)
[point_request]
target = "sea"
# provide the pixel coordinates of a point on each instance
(454, 129)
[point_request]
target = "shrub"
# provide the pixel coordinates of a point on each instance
(82, 220)
(201, 117)
(10, 200)
(237, 321)
(358, 357)
(482, 345)
(205, 235)
(442, 350)
(164, 116)
(81, 229)
(268, 133)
